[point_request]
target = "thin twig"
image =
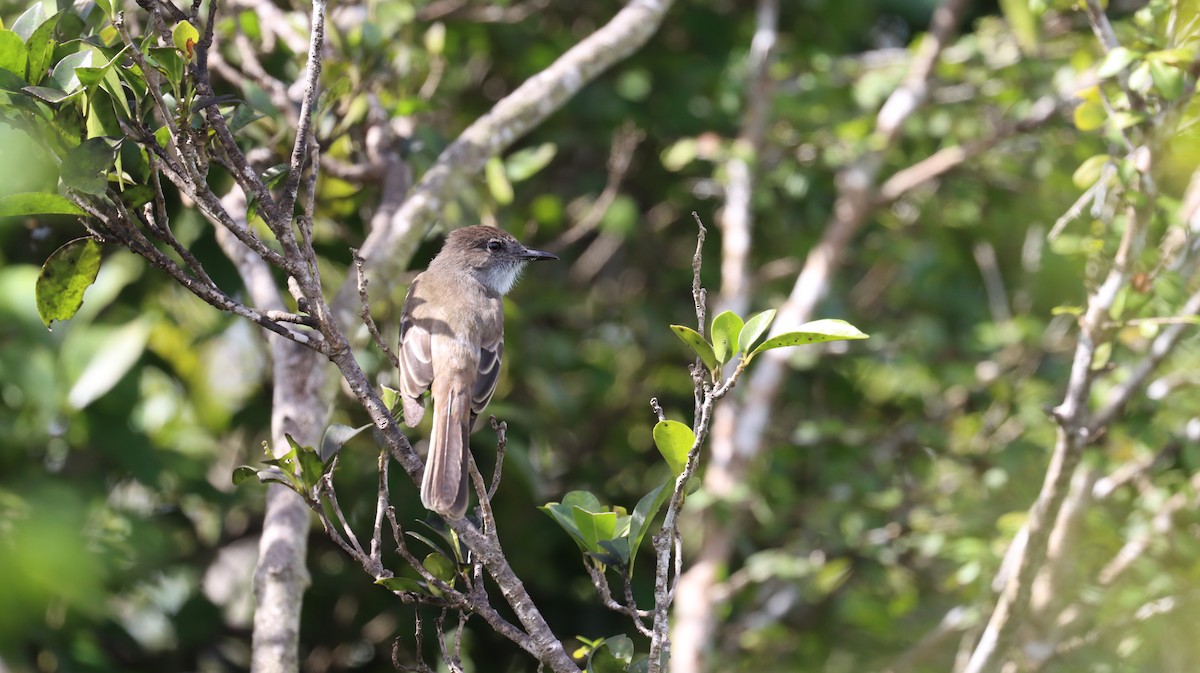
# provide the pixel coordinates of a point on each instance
(312, 75)
(501, 430)
(365, 311)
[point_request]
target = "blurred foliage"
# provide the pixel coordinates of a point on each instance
(894, 477)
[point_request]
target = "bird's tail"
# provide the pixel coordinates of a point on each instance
(445, 488)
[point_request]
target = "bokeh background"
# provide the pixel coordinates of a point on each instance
(895, 471)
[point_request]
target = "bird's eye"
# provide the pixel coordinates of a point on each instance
(494, 245)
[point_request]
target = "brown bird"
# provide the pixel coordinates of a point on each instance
(451, 343)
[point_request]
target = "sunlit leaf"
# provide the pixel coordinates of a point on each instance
(64, 76)
(29, 20)
(754, 328)
(594, 526)
(817, 331)
(185, 37)
(726, 328)
(64, 277)
(1115, 61)
(1141, 79)
(13, 55)
(674, 440)
(37, 203)
(1089, 116)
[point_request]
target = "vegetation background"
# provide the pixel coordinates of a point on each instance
(866, 531)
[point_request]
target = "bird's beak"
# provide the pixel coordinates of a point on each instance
(536, 255)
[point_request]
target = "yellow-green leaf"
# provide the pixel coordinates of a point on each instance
(1089, 116)
(726, 328)
(674, 440)
(185, 36)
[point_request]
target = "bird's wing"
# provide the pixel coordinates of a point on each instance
(416, 360)
(491, 352)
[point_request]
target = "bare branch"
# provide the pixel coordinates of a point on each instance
(365, 312)
(312, 75)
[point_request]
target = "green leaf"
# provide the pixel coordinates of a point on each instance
(64, 76)
(168, 61)
(440, 567)
(84, 166)
(401, 584)
(10, 81)
(185, 37)
(335, 436)
(563, 513)
(242, 473)
(817, 331)
(693, 338)
(611, 656)
(1167, 79)
(643, 515)
(755, 327)
(725, 330)
(1089, 115)
(390, 397)
(40, 46)
(1089, 171)
(613, 552)
(274, 175)
(311, 469)
(29, 20)
(674, 440)
(1115, 61)
(64, 277)
(525, 163)
(50, 95)
(37, 203)
(594, 526)
(497, 181)
(13, 55)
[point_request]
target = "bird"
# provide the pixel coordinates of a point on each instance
(451, 345)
